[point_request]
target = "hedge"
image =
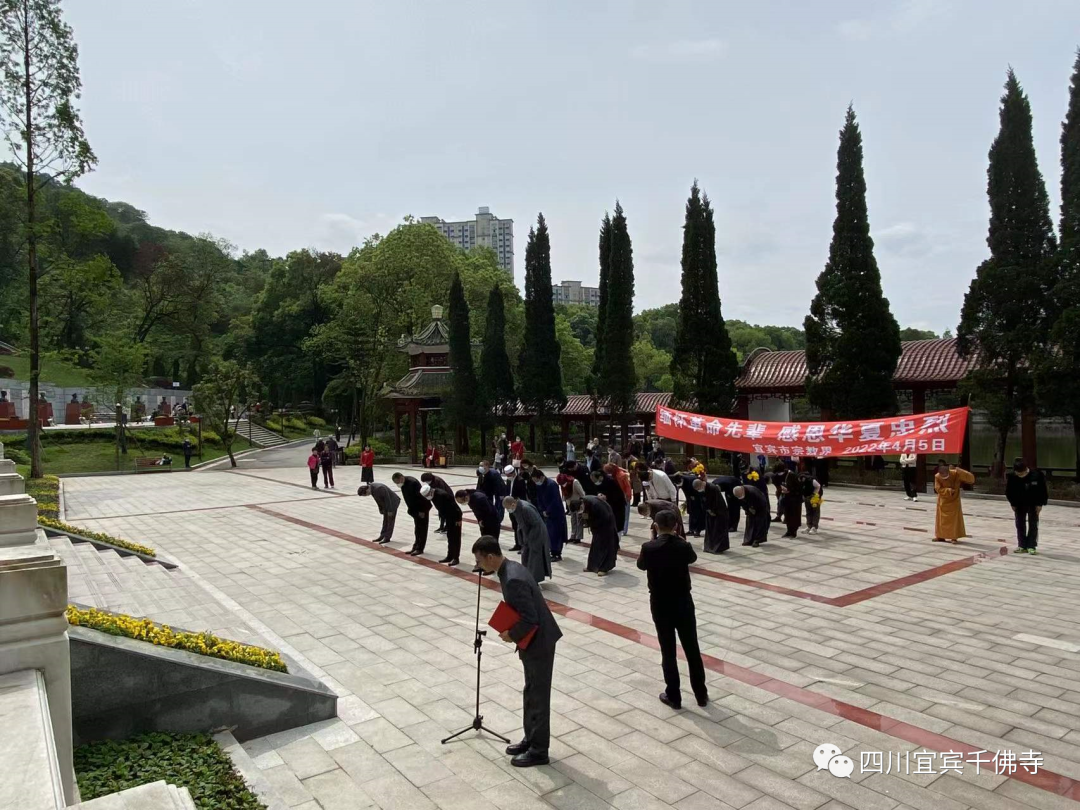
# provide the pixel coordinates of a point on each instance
(193, 761)
(53, 523)
(205, 643)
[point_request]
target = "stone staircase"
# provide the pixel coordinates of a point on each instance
(153, 796)
(259, 435)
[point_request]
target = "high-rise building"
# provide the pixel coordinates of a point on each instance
(572, 292)
(486, 230)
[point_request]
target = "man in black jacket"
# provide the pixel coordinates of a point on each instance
(482, 510)
(388, 502)
(1026, 492)
(435, 482)
(418, 507)
(667, 559)
(450, 515)
(521, 592)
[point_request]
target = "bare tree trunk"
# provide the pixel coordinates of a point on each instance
(1076, 446)
(32, 259)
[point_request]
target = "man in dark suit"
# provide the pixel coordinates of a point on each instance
(521, 592)
(435, 482)
(667, 560)
(450, 514)
(418, 507)
(388, 502)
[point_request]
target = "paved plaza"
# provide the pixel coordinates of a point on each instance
(866, 636)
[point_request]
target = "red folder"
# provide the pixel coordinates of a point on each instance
(506, 617)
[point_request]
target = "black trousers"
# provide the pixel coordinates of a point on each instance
(492, 528)
(536, 698)
(314, 476)
(1027, 536)
(908, 474)
(388, 520)
(420, 521)
(677, 616)
(453, 540)
(513, 526)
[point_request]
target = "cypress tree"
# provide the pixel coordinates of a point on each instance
(463, 399)
(852, 338)
(1058, 376)
(540, 375)
(703, 365)
(601, 311)
(616, 381)
(496, 379)
(1002, 322)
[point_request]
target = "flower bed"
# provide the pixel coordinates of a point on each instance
(46, 491)
(52, 523)
(193, 761)
(164, 636)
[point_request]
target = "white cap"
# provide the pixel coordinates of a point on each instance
(426, 490)
(508, 469)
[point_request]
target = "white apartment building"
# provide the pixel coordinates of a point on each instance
(572, 292)
(486, 230)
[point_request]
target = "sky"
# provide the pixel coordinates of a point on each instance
(283, 126)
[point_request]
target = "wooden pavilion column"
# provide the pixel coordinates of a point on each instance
(1028, 446)
(397, 430)
(532, 437)
(423, 432)
(625, 433)
(918, 405)
(412, 432)
(965, 452)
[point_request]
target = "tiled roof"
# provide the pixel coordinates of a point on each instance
(922, 362)
(436, 333)
(582, 405)
(422, 382)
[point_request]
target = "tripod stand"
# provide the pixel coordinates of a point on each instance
(478, 644)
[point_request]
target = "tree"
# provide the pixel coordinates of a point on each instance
(1057, 381)
(852, 338)
(38, 92)
(496, 383)
(653, 364)
(575, 361)
(703, 366)
(225, 394)
(911, 333)
(1003, 320)
(599, 336)
(119, 363)
(660, 325)
(616, 381)
(462, 401)
(540, 376)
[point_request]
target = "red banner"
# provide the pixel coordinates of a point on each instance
(921, 433)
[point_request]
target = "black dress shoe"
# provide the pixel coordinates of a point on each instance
(515, 548)
(556, 558)
(415, 553)
(669, 702)
(529, 759)
(445, 560)
(702, 700)
(452, 562)
(517, 748)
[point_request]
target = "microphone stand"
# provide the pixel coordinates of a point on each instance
(478, 644)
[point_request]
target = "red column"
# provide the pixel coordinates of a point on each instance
(397, 431)
(918, 405)
(1028, 445)
(965, 453)
(412, 432)
(423, 432)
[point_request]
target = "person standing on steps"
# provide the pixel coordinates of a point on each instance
(521, 592)
(949, 520)
(388, 502)
(450, 514)
(418, 507)
(667, 561)
(908, 462)
(1025, 490)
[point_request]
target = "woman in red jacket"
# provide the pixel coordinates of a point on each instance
(367, 463)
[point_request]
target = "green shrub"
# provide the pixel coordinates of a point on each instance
(193, 761)
(382, 449)
(7, 371)
(316, 422)
(16, 454)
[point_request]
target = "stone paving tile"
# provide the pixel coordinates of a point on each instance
(334, 790)
(952, 654)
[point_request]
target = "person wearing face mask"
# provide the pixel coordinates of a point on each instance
(949, 521)
(1025, 489)
(491, 483)
(532, 536)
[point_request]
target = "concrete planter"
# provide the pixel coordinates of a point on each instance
(122, 687)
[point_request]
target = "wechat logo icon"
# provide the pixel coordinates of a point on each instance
(829, 757)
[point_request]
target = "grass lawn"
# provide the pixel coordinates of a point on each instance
(53, 371)
(100, 456)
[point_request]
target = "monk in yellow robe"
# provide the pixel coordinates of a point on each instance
(949, 524)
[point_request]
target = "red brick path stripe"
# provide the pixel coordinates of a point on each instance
(1044, 780)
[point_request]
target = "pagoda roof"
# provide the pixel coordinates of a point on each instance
(427, 381)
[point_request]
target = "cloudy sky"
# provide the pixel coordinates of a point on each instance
(283, 126)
